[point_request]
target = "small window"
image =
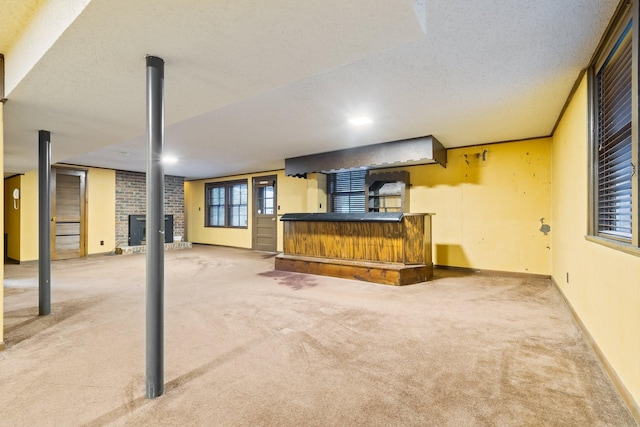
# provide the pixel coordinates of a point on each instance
(614, 147)
(346, 191)
(265, 200)
(613, 83)
(226, 204)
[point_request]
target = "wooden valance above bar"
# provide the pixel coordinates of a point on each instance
(406, 152)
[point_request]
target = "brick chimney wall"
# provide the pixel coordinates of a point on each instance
(131, 199)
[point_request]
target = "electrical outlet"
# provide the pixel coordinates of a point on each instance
(101, 242)
(567, 277)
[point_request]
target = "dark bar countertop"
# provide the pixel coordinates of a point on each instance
(345, 217)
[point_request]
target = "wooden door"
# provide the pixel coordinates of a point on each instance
(265, 224)
(68, 223)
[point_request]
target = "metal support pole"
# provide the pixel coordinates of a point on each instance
(155, 227)
(44, 221)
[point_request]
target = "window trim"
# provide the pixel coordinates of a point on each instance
(227, 185)
(626, 13)
(613, 244)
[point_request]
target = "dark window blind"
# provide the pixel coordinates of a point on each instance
(614, 195)
(346, 191)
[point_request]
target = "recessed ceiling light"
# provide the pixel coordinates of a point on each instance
(359, 121)
(169, 159)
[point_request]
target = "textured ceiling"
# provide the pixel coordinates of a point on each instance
(248, 85)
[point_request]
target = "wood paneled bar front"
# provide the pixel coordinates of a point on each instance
(392, 248)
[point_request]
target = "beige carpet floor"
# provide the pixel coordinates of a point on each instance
(249, 346)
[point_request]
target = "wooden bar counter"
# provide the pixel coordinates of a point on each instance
(392, 248)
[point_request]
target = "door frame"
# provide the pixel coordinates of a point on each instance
(261, 181)
(82, 173)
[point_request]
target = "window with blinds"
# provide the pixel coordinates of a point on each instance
(227, 204)
(614, 150)
(614, 81)
(346, 191)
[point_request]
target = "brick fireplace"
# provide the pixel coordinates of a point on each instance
(131, 200)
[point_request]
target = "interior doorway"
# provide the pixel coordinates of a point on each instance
(265, 224)
(68, 217)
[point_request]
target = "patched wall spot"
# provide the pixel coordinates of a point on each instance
(544, 228)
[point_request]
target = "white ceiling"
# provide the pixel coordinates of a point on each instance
(249, 83)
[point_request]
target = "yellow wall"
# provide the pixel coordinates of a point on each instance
(291, 197)
(488, 205)
(488, 210)
(101, 212)
(316, 192)
(12, 217)
(604, 283)
(29, 216)
(2, 222)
